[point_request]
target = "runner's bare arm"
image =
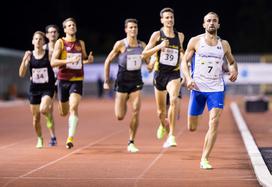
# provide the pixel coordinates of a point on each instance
(114, 52)
(24, 64)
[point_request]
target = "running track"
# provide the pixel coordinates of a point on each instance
(99, 157)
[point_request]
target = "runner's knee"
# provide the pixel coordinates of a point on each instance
(119, 117)
(192, 127)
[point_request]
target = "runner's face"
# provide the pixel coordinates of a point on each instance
(70, 28)
(168, 19)
(38, 40)
(52, 34)
(211, 23)
(131, 29)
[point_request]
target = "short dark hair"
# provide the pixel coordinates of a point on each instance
(128, 20)
(51, 26)
(40, 33)
(167, 9)
(68, 19)
(213, 13)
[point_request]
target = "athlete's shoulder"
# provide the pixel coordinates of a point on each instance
(121, 42)
(59, 44)
(156, 34)
(81, 41)
(62, 39)
(226, 45)
(181, 34)
(195, 39)
(224, 42)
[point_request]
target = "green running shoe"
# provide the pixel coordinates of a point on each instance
(39, 144)
(132, 148)
(161, 131)
(204, 164)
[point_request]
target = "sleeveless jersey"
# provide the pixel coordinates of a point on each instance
(71, 71)
(55, 69)
(130, 62)
(168, 59)
(207, 66)
(41, 73)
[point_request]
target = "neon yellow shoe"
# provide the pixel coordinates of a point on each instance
(170, 142)
(132, 148)
(39, 144)
(204, 164)
(69, 143)
(161, 131)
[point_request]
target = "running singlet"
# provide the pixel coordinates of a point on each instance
(130, 62)
(71, 71)
(41, 73)
(207, 66)
(169, 57)
(130, 59)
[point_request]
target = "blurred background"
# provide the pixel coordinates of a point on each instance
(245, 24)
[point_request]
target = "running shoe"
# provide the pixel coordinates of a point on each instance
(52, 142)
(69, 143)
(161, 131)
(204, 164)
(132, 148)
(39, 144)
(170, 142)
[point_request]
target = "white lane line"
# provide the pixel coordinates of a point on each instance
(262, 173)
(223, 178)
(62, 158)
(153, 162)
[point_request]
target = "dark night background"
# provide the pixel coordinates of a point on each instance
(246, 24)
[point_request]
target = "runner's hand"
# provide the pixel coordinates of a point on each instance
(164, 43)
(191, 85)
(90, 57)
(106, 85)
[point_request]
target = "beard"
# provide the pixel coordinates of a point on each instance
(211, 30)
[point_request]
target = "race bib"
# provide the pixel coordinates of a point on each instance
(169, 56)
(210, 69)
(134, 62)
(75, 65)
(39, 75)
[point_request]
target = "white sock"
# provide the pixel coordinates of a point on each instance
(73, 120)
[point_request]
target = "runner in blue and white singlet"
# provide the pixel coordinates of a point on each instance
(206, 53)
(207, 67)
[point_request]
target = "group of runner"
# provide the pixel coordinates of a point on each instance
(201, 66)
